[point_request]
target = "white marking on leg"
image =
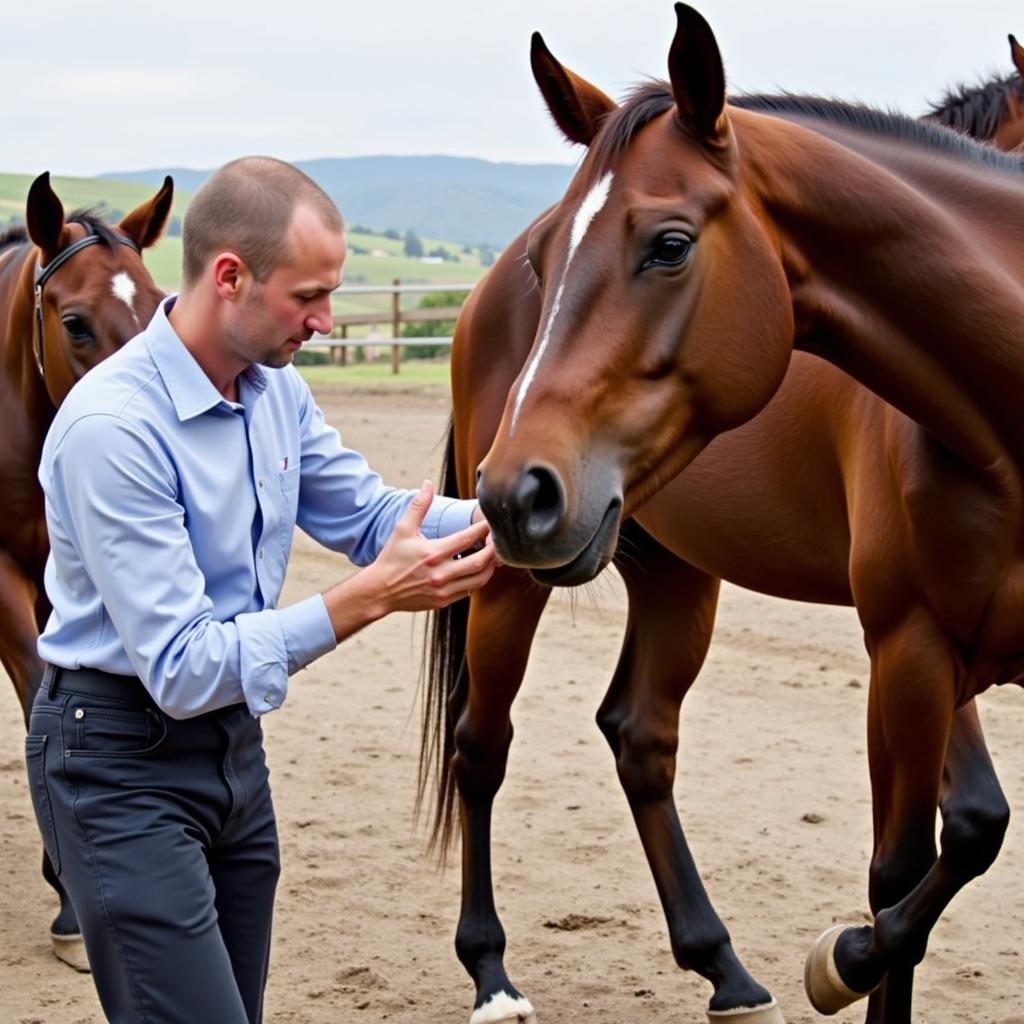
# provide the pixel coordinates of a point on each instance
(502, 1007)
(589, 209)
(123, 288)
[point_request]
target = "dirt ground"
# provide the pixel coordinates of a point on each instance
(772, 789)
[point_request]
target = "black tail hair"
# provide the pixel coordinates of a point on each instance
(446, 685)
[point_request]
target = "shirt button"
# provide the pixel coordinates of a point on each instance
(261, 481)
(266, 698)
(261, 552)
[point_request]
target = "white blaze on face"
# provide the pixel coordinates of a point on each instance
(123, 288)
(589, 209)
(503, 1007)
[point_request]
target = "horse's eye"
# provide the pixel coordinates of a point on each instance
(77, 328)
(668, 250)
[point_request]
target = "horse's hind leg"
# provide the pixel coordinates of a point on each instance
(671, 616)
(502, 620)
(924, 754)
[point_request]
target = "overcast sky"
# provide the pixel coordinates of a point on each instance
(87, 88)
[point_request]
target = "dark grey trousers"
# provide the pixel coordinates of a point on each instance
(163, 833)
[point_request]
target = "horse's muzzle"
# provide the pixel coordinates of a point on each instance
(532, 527)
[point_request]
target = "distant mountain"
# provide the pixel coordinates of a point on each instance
(467, 200)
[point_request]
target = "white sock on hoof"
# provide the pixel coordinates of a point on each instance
(502, 1008)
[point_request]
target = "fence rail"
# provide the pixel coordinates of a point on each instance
(338, 342)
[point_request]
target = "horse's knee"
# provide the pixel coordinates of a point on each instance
(478, 765)
(972, 834)
(646, 759)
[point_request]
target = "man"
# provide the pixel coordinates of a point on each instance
(174, 475)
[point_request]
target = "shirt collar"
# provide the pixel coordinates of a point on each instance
(191, 391)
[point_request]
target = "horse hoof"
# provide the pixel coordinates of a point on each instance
(71, 950)
(825, 989)
(502, 1008)
(766, 1013)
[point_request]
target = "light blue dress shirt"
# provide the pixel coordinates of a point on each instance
(171, 512)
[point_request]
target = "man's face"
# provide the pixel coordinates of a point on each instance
(276, 316)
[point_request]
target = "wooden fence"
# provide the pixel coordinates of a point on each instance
(338, 342)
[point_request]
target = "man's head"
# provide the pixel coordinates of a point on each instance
(247, 207)
(267, 243)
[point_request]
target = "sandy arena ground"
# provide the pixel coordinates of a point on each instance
(772, 789)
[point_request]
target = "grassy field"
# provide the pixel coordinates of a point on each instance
(382, 262)
(378, 375)
(79, 192)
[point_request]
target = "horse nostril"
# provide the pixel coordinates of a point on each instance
(541, 502)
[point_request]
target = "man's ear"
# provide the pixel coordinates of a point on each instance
(229, 273)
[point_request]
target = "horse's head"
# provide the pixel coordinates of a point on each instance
(665, 320)
(92, 291)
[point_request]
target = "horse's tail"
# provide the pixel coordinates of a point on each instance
(444, 695)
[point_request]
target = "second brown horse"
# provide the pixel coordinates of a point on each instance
(698, 244)
(73, 289)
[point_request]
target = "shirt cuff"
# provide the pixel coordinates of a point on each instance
(308, 632)
(447, 516)
(276, 643)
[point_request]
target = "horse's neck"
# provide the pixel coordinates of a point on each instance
(909, 275)
(19, 376)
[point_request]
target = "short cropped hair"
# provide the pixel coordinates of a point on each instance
(246, 207)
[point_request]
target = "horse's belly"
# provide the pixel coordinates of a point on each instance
(771, 547)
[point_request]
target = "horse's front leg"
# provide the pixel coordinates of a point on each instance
(671, 617)
(502, 620)
(924, 754)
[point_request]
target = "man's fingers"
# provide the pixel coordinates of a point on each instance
(412, 518)
(468, 565)
(463, 586)
(455, 543)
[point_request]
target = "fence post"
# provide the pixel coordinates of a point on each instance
(339, 353)
(396, 325)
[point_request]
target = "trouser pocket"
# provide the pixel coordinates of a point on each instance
(35, 760)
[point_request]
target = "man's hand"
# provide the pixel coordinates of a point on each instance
(416, 574)
(413, 573)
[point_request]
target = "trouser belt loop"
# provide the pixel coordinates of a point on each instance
(50, 679)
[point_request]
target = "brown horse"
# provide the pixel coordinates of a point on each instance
(992, 111)
(72, 290)
(805, 221)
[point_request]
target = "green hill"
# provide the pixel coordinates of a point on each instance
(469, 200)
(373, 259)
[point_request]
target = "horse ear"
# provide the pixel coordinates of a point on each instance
(577, 106)
(697, 76)
(44, 217)
(1017, 53)
(145, 223)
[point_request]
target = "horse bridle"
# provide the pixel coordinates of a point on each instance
(43, 274)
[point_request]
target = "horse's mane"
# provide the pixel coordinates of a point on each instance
(88, 218)
(14, 235)
(91, 220)
(978, 109)
(651, 99)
